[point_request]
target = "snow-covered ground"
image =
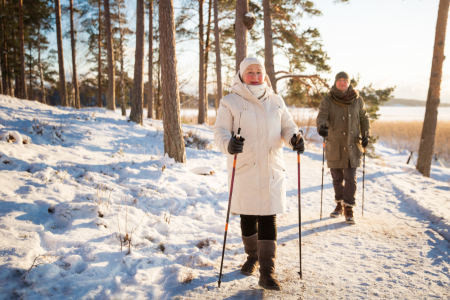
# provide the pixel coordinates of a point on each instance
(89, 178)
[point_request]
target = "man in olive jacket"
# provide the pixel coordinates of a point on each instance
(342, 118)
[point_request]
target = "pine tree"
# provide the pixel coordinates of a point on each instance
(217, 49)
(201, 80)
(23, 86)
(62, 77)
(150, 62)
(173, 137)
(426, 147)
(136, 114)
(111, 96)
(74, 60)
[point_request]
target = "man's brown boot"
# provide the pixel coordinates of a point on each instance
(251, 249)
(266, 254)
(337, 211)
(348, 213)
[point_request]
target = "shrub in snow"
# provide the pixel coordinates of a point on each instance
(193, 140)
(14, 137)
(38, 127)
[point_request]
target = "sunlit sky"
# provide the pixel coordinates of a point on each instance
(387, 42)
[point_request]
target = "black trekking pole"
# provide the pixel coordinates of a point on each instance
(364, 172)
(228, 212)
(323, 163)
(299, 212)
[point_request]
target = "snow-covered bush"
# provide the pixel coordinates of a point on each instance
(193, 140)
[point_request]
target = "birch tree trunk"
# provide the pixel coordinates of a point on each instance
(111, 95)
(268, 41)
(99, 91)
(150, 62)
(138, 81)
(74, 60)
(23, 86)
(426, 147)
(173, 135)
(41, 73)
(201, 73)
(62, 74)
(241, 32)
(122, 84)
(217, 46)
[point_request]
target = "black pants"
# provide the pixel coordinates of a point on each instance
(265, 226)
(345, 192)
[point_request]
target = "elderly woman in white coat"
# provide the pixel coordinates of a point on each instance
(259, 187)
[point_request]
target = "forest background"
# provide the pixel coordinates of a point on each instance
(98, 40)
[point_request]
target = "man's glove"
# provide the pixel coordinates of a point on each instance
(299, 145)
(236, 145)
(323, 131)
(365, 141)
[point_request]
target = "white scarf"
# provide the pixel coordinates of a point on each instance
(258, 90)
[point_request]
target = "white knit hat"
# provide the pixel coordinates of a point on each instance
(251, 61)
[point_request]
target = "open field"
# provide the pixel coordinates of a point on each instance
(405, 135)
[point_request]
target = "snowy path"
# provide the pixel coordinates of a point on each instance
(68, 198)
(390, 253)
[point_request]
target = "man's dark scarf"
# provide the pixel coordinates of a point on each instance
(343, 98)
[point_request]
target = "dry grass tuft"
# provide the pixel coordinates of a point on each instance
(193, 119)
(205, 243)
(405, 135)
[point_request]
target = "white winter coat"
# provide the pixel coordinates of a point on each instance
(259, 184)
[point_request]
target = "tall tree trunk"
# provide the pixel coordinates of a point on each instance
(208, 46)
(23, 87)
(150, 62)
(4, 55)
(62, 74)
(138, 81)
(426, 147)
(158, 100)
(268, 41)
(99, 91)
(122, 85)
(201, 80)
(31, 74)
(217, 46)
(74, 59)
(41, 73)
(241, 32)
(173, 135)
(111, 96)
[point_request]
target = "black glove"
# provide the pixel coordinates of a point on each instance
(323, 131)
(365, 141)
(299, 145)
(236, 145)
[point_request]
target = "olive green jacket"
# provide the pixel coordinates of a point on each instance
(343, 144)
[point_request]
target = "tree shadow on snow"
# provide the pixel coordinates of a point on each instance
(317, 188)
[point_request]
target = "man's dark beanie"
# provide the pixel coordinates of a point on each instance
(342, 75)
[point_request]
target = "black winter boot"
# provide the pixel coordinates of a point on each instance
(251, 249)
(337, 211)
(266, 254)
